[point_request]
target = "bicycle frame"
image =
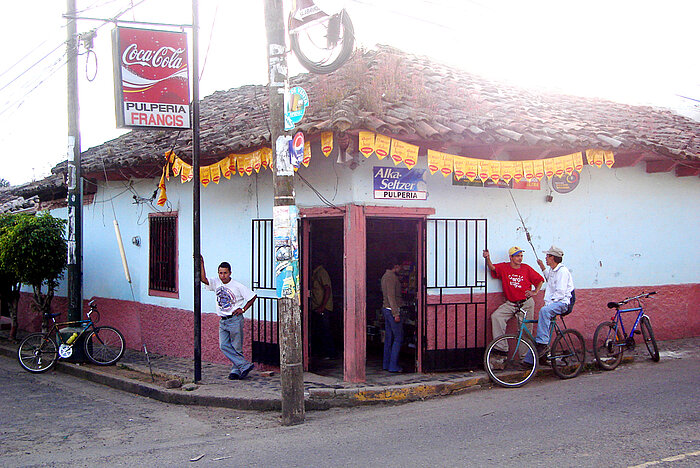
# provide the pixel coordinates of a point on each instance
(617, 318)
(84, 324)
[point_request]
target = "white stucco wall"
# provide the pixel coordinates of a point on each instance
(620, 227)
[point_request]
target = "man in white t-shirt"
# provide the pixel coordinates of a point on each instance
(232, 300)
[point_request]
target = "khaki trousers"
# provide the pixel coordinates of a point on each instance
(505, 312)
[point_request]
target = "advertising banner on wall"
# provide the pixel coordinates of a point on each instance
(399, 183)
(151, 83)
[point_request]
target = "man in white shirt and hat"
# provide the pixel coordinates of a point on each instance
(557, 295)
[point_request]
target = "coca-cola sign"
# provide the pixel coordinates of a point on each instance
(151, 78)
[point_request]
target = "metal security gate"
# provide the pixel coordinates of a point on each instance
(265, 331)
(453, 321)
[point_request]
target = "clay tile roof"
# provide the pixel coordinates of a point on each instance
(388, 91)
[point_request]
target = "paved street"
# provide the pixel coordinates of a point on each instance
(640, 413)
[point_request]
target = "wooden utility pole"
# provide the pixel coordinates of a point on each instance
(74, 174)
(196, 222)
(288, 312)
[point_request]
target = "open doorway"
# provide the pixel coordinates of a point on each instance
(326, 297)
(390, 240)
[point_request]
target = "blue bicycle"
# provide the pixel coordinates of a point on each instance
(611, 339)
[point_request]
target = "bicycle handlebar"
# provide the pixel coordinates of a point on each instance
(639, 296)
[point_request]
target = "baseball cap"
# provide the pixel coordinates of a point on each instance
(553, 250)
(515, 251)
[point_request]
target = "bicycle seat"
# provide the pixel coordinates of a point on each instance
(519, 303)
(50, 315)
(570, 308)
(613, 305)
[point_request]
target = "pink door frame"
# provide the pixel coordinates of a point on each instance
(354, 277)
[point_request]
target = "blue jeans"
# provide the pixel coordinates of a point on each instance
(546, 314)
(231, 343)
(393, 337)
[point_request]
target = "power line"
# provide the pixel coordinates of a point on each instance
(33, 65)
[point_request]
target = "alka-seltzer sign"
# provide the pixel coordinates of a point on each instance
(398, 183)
(151, 78)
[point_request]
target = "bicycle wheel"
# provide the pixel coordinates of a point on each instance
(568, 354)
(608, 345)
(37, 352)
(515, 368)
(104, 346)
(313, 50)
(649, 339)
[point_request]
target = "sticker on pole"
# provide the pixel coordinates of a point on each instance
(295, 103)
(296, 150)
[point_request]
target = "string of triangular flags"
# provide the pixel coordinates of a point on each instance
(399, 152)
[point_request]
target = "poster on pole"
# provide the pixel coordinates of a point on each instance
(151, 78)
(286, 244)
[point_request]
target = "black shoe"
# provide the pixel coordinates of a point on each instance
(542, 349)
(245, 373)
(516, 365)
(233, 376)
(396, 371)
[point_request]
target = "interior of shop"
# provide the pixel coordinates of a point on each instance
(389, 240)
(326, 329)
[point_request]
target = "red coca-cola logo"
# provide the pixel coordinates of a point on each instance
(164, 57)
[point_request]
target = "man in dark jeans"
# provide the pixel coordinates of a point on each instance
(393, 323)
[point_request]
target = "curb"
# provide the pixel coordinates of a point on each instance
(315, 398)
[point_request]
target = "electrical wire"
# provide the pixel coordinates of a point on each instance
(318, 194)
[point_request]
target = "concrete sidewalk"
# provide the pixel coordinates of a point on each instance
(262, 391)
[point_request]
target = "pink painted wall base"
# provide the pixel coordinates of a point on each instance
(674, 313)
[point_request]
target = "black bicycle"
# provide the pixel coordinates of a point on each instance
(611, 339)
(103, 346)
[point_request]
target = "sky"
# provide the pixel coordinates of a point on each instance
(638, 52)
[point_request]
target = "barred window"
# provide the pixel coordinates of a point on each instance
(162, 268)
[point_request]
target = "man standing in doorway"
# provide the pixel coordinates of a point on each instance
(518, 280)
(393, 323)
(232, 300)
(322, 306)
(557, 295)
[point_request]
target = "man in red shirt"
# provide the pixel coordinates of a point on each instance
(518, 280)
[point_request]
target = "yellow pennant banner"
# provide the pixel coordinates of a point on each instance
(459, 164)
(400, 152)
(411, 157)
(215, 173)
(307, 154)
(326, 143)
(366, 143)
(205, 175)
(447, 164)
(382, 145)
(434, 161)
